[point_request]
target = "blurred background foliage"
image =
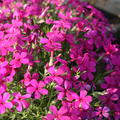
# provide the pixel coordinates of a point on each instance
(111, 10)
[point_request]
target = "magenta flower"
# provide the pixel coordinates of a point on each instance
(87, 66)
(58, 114)
(3, 83)
(64, 91)
(110, 97)
(55, 75)
(5, 47)
(28, 78)
(3, 67)
(115, 59)
(53, 41)
(83, 100)
(37, 88)
(19, 59)
(4, 104)
(50, 45)
(63, 24)
(117, 115)
(2, 89)
(112, 81)
(102, 112)
(110, 49)
(20, 101)
(34, 9)
(81, 85)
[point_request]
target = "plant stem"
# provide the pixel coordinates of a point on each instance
(50, 62)
(51, 58)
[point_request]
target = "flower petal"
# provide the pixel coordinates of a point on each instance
(25, 103)
(6, 96)
(53, 109)
(106, 115)
(23, 54)
(59, 88)
(60, 95)
(44, 40)
(50, 117)
(26, 96)
(85, 105)
(41, 84)
(106, 109)
(88, 99)
(83, 93)
(37, 95)
(74, 96)
(43, 91)
(62, 110)
(24, 61)
(51, 70)
(30, 89)
(34, 83)
(2, 109)
(19, 107)
(64, 118)
(59, 80)
(8, 105)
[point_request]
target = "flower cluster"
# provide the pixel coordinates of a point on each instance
(59, 47)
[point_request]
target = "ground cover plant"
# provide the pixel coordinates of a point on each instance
(57, 62)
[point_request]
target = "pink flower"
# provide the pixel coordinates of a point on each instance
(110, 49)
(102, 112)
(20, 101)
(2, 89)
(55, 75)
(64, 91)
(37, 88)
(5, 47)
(63, 24)
(4, 102)
(81, 84)
(87, 66)
(50, 45)
(19, 59)
(117, 115)
(3, 69)
(110, 96)
(83, 100)
(3, 83)
(53, 41)
(58, 114)
(28, 78)
(33, 9)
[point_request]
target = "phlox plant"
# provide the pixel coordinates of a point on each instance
(57, 62)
